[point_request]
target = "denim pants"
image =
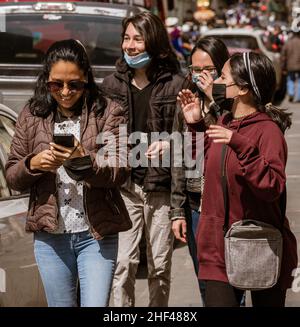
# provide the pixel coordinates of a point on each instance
(63, 259)
(293, 85)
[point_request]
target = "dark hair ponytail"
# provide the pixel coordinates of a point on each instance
(265, 79)
(280, 116)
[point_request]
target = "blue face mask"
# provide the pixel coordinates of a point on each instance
(138, 61)
(195, 78)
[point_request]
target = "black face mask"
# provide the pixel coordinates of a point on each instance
(219, 96)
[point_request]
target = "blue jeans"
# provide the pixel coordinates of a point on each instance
(62, 259)
(293, 85)
(192, 223)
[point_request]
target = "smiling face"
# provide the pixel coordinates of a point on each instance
(66, 72)
(133, 42)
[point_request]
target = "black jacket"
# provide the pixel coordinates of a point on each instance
(181, 185)
(160, 118)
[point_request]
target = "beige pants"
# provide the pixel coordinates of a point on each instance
(149, 210)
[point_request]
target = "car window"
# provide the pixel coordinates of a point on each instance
(267, 42)
(28, 36)
(7, 128)
(6, 135)
(239, 41)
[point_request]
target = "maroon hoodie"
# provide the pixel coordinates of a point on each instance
(255, 167)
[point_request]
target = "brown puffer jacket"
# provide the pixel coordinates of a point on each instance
(105, 209)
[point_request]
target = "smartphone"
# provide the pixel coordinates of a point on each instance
(66, 140)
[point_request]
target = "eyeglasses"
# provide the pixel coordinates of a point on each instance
(198, 70)
(73, 86)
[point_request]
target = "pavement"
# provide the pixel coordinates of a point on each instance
(184, 286)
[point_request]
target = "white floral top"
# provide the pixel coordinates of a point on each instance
(71, 216)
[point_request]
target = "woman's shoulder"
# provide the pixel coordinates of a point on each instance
(178, 79)
(113, 115)
(25, 114)
(113, 107)
(109, 78)
(266, 124)
(111, 84)
(172, 83)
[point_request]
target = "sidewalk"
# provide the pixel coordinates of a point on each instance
(184, 285)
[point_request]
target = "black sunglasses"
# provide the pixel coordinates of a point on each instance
(73, 86)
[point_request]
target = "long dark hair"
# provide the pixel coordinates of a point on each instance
(219, 54)
(157, 43)
(42, 103)
(265, 79)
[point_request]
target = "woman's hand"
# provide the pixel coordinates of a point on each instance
(205, 81)
(190, 105)
(157, 149)
(179, 229)
(63, 153)
(219, 134)
(45, 161)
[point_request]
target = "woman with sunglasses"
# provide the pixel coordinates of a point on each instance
(75, 208)
(207, 59)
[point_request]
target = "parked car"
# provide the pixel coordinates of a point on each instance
(29, 28)
(20, 283)
(240, 40)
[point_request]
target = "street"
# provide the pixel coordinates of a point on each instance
(184, 287)
(293, 185)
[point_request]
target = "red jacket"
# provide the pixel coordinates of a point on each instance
(255, 166)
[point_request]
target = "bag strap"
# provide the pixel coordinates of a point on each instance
(283, 199)
(225, 189)
(283, 196)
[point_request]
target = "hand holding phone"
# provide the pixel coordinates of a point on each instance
(66, 140)
(69, 149)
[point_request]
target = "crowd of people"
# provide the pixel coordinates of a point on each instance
(88, 211)
(280, 35)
